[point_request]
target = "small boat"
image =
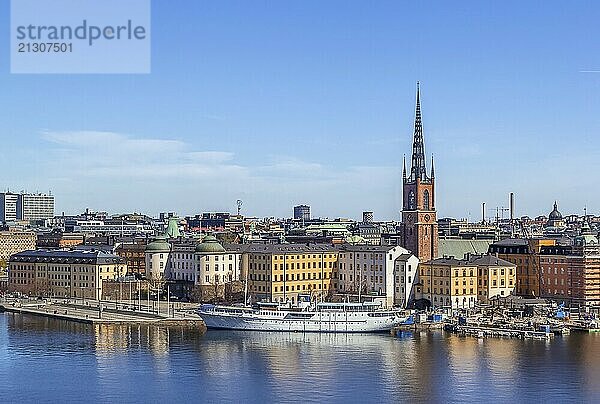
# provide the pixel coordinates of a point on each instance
(319, 317)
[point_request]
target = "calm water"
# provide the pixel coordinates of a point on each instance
(43, 360)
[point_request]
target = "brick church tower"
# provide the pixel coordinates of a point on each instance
(419, 221)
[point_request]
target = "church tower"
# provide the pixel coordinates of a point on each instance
(419, 221)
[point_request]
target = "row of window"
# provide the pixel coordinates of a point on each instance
(290, 257)
(292, 277)
(549, 270)
(376, 256)
(293, 265)
(217, 278)
(372, 267)
(290, 288)
(447, 291)
(13, 274)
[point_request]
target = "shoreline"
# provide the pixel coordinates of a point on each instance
(99, 315)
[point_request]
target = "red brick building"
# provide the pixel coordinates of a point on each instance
(419, 221)
(557, 265)
(563, 273)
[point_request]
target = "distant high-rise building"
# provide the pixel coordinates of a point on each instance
(35, 207)
(26, 206)
(8, 206)
(367, 217)
(302, 212)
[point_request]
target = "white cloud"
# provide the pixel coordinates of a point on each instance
(109, 140)
(119, 172)
(109, 154)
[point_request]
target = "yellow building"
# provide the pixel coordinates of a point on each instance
(495, 277)
(282, 272)
(448, 282)
(73, 273)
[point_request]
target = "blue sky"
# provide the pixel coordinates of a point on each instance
(281, 103)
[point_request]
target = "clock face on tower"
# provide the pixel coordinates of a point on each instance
(409, 218)
(427, 217)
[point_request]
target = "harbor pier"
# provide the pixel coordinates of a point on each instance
(99, 312)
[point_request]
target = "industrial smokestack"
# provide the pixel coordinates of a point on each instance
(483, 213)
(512, 214)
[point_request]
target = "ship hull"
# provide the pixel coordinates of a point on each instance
(319, 322)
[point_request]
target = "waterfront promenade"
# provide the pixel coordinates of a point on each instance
(102, 312)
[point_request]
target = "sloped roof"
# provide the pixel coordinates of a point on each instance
(458, 248)
(90, 256)
(511, 242)
(490, 260)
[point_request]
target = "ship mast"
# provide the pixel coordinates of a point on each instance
(246, 290)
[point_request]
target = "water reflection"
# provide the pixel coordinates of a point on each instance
(120, 363)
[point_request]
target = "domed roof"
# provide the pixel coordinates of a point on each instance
(209, 244)
(160, 244)
(555, 214)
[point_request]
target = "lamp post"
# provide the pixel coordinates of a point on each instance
(120, 289)
(158, 299)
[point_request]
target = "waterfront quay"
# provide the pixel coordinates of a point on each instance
(105, 312)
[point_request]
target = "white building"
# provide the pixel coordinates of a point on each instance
(378, 271)
(26, 207)
(406, 276)
(157, 258)
(215, 265)
(36, 206)
(182, 263)
(111, 229)
(205, 264)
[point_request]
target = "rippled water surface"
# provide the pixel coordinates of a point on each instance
(44, 360)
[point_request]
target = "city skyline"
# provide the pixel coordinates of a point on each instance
(320, 116)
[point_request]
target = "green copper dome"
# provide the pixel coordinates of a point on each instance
(209, 245)
(158, 245)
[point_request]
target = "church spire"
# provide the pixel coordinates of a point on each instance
(432, 168)
(418, 169)
(404, 167)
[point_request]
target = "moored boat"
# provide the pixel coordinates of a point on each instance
(319, 317)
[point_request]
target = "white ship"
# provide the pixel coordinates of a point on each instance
(321, 317)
